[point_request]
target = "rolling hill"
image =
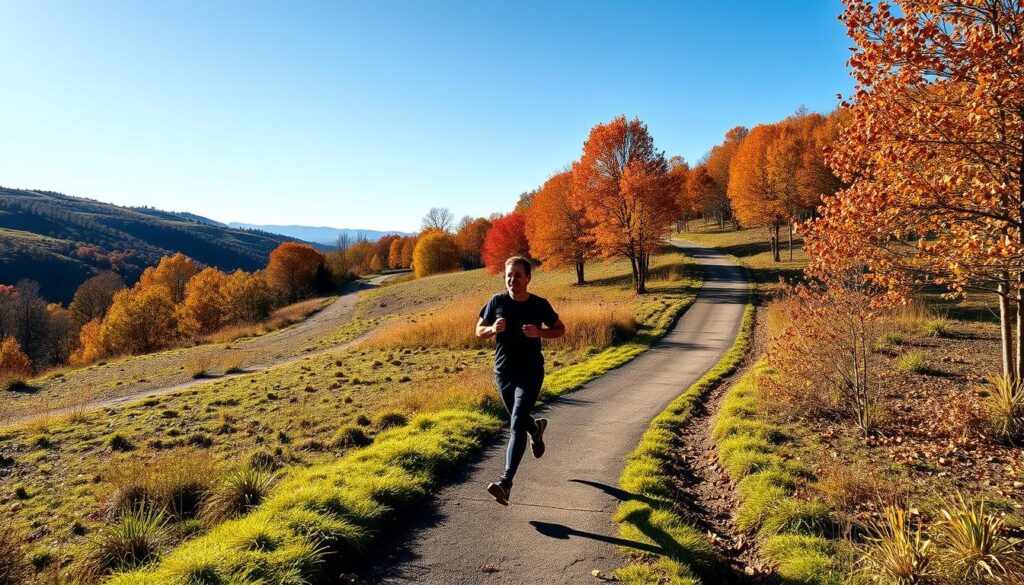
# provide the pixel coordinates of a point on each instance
(59, 240)
(320, 235)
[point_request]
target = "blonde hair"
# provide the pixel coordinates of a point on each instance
(522, 261)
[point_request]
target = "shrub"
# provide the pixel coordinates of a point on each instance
(350, 436)
(129, 541)
(14, 566)
(238, 492)
(973, 548)
(912, 362)
(897, 553)
(198, 365)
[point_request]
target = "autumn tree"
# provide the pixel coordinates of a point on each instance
(507, 237)
(525, 201)
(753, 188)
(435, 252)
(439, 218)
(470, 239)
(90, 344)
(93, 297)
(408, 249)
(621, 181)
(395, 253)
(698, 190)
(172, 273)
(933, 154)
(140, 320)
(678, 174)
(716, 203)
(248, 297)
(294, 270)
(14, 364)
(557, 228)
(204, 308)
(24, 316)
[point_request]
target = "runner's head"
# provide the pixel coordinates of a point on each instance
(518, 272)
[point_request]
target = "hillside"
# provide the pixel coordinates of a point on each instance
(59, 241)
(319, 235)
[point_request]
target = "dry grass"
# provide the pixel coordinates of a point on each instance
(279, 319)
(588, 325)
(471, 388)
(176, 482)
(198, 365)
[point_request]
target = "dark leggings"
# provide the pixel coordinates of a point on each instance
(519, 393)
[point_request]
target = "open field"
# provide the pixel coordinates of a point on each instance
(60, 474)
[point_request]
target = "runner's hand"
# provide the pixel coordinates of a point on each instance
(531, 330)
(499, 325)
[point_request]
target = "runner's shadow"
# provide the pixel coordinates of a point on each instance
(563, 532)
(617, 493)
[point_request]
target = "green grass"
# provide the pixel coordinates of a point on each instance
(793, 533)
(650, 518)
(913, 362)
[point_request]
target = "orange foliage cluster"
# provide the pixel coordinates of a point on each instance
(933, 155)
(557, 226)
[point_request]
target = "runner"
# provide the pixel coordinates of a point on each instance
(514, 318)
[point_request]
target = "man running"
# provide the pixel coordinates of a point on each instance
(515, 319)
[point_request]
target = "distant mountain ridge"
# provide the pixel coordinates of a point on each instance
(59, 240)
(320, 235)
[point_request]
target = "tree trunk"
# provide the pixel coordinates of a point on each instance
(1006, 329)
(579, 273)
(636, 273)
(791, 241)
(1020, 328)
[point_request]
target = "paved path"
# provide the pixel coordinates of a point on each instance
(558, 528)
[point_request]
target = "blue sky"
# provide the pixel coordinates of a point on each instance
(366, 114)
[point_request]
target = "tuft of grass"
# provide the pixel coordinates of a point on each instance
(350, 436)
(14, 563)
(912, 362)
(239, 491)
(897, 553)
(118, 442)
(390, 419)
(937, 327)
(1004, 402)
(198, 365)
(804, 560)
(973, 547)
(175, 481)
(129, 541)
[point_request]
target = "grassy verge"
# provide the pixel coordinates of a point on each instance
(649, 517)
(324, 517)
(793, 533)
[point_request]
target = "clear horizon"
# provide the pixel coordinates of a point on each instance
(364, 117)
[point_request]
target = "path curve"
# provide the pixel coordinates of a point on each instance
(558, 528)
(333, 314)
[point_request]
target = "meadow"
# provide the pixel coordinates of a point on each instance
(70, 483)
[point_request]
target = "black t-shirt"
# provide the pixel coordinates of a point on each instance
(514, 351)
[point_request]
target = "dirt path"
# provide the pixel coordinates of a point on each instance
(558, 528)
(160, 373)
(707, 498)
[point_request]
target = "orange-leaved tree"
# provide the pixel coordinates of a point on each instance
(557, 228)
(205, 307)
(716, 201)
(90, 344)
(933, 154)
(14, 364)
(248, 297)
(140, 320)
(435, 252)
(507, 237)
(294, 270)
(172, 273)
(621, 181)
(752, 190)
(470, 239)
